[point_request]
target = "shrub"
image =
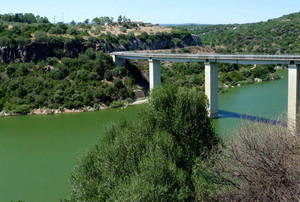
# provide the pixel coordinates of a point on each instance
(56, 30)
(72, 31)
(185, 50)
(123, 42)
(97, 30)
(116, 104)
(40, 36)
(261, 163)
(123, 29)
(4, 41)
(108, 75)
(131, 35)
(143, 37)
(22, 41)
(20, 109)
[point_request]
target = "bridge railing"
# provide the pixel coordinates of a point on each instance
(282, 59)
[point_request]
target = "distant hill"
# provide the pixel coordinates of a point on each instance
(183, 24)
(275, 36)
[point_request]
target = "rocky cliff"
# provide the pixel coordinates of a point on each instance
(40, 51)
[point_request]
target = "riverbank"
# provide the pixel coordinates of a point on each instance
(124, 104)
(47, 111)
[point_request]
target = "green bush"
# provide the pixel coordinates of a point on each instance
(20, 109)
(131, 160)
(116, 104)
(185, 50)
(40, 36)
(123, 29)
(72, 31)
(124, 42)
(56, 30)
(4, 41)
(149, 159)
(182, 112)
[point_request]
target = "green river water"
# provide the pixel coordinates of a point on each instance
(38, 153)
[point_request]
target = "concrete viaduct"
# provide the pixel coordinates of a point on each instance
(211, 73)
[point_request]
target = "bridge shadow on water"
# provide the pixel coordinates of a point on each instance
(226, 114)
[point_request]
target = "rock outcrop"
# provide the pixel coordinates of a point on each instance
(35, 52)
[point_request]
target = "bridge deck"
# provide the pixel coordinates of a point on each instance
(233, 59)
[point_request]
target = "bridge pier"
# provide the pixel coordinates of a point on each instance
(118, 61)
(211, 88)
(154, 73)
(293, 96)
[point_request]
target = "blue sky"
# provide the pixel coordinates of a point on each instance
(157, 11)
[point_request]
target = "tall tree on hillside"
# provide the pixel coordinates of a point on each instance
(120, 18)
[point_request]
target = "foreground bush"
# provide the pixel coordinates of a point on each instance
(182, 113)
(260, 163)
(149, 159)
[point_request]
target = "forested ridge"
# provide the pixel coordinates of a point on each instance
(275, 36)
(24, 37)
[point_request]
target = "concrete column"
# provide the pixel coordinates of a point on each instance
(119, 61)
(211, 88)
(154, 71)
(293, 96)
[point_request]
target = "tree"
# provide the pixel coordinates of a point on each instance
(4, 41)
(148, 159)
(120, 18)
(40, 36)
(182, 112)
(72, 31)
(72, 22)
(96, 21)
(111, 21)
(56, 30)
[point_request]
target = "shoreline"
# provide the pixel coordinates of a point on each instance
(47, 111)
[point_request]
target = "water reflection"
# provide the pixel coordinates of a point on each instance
(227, 114)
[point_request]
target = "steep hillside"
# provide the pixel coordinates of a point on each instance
(275, 36)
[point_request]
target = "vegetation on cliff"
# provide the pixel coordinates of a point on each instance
(30, 33)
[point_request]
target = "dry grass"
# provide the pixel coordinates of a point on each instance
(117, 30)
(262, 161)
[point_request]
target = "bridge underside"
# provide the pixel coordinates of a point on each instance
(211, 74)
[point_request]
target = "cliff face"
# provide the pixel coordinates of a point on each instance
(40, 51)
